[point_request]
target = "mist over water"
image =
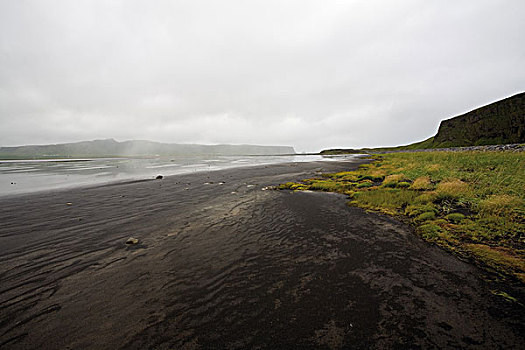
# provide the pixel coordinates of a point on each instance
(26, 176)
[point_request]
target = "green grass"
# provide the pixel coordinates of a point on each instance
(472, 203)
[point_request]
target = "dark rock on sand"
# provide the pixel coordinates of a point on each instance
(132, 240)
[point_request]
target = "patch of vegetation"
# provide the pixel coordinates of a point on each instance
(403, 184)
(422, 183)
(505, 295)
(472, 203)
(455, 218)
(430, 232)
(364, 184)
(426, 216)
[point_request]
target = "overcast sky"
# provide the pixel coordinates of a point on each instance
(310, 74)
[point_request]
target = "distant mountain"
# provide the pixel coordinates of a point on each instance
(501, 122)
(112, 148)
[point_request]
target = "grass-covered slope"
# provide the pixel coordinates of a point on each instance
(470, 202)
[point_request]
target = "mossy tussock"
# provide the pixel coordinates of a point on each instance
(472, 203)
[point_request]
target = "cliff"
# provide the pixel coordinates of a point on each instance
(501, 122)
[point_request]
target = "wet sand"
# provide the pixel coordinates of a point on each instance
(229, 265)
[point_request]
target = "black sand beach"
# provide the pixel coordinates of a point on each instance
(230, 265)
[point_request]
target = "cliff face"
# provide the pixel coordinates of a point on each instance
(112, 148)
(501, 122)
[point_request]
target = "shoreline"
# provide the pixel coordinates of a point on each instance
(228, 264)
(443, 196)
(39, 176)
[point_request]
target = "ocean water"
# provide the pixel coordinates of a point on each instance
(26, 176)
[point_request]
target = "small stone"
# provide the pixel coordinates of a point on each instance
(69, 203)
(132, 240)
(159, 177)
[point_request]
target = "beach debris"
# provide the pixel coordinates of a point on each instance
(13, 183)
(249, 186)
(159, 177)
(132, 240)
(222, 183)
(69, 203)
(233, 192)
(209, 183)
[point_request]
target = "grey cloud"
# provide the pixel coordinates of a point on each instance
(312, 74)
